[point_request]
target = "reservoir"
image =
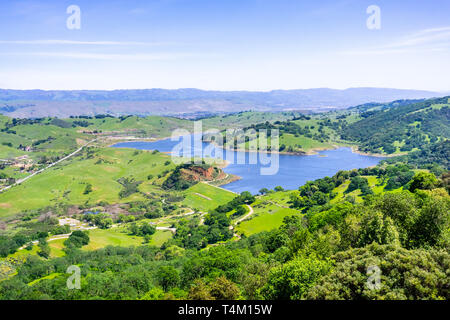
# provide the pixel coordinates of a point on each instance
(293, 170)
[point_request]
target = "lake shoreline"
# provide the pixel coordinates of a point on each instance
(286, 171)
(310, 152)
(379, 155)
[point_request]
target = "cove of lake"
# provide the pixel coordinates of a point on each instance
(293, 172)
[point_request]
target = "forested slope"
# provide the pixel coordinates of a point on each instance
(401, 128)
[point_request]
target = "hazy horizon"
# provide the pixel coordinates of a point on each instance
(219, 90)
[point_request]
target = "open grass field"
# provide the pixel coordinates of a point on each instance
(301, 142)
(160, 237)
(280, 197)
(7, 152)
(22, 254)
(56, 247)
(305, 143)
(66, 182)
(152, 126)
(158, 127)
(65, 134)
(100, 238)
(341, 193)
(53, 139)
(374, 184)
(270, 209)
(50, 276)
(268, 214)
(197, 197)
(246, 119)
(265, 219)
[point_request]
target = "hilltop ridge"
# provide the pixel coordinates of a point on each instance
(54, 103)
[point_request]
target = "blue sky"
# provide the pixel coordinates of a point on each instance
(224, 45)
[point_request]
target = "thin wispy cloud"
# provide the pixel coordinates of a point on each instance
(424, 37)
(95, 43)
(426, 40)
(236, 44)
(106, 56)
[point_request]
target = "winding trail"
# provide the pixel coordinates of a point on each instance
(167, 229)
(250, 212)
(56, 237)
(47, 167)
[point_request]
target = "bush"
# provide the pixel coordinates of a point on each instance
(44, 249)
(293, 279)
(88, 189)
(423, 181)
(143, 230)
(405, 274)
(77, 239)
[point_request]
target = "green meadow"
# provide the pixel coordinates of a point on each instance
(159, 237)
(66, 182)
(100, 238)
(268, 213)
(204, 197)
(307, 144)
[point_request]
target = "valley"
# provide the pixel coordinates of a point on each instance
(129, 203)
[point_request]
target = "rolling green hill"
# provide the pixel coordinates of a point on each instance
(401, 128)
(204, 242)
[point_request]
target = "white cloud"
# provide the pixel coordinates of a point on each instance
(112, 56)
(74, 42)
(426, 40)
(106, 56)
(427, 36)
(377, 51)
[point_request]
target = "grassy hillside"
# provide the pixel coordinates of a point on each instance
(203, 197)
(269, 212)
(300, 134)
(427, 157)
(51, 135)
(401, 128)
(66, 183)
(41, 136)
(143, 226)
(286, 253)
(39, 103)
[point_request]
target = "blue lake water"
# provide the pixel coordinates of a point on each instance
(293, 170)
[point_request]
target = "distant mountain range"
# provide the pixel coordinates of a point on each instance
(39, 103)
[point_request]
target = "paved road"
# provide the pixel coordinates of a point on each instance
(47, 167)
